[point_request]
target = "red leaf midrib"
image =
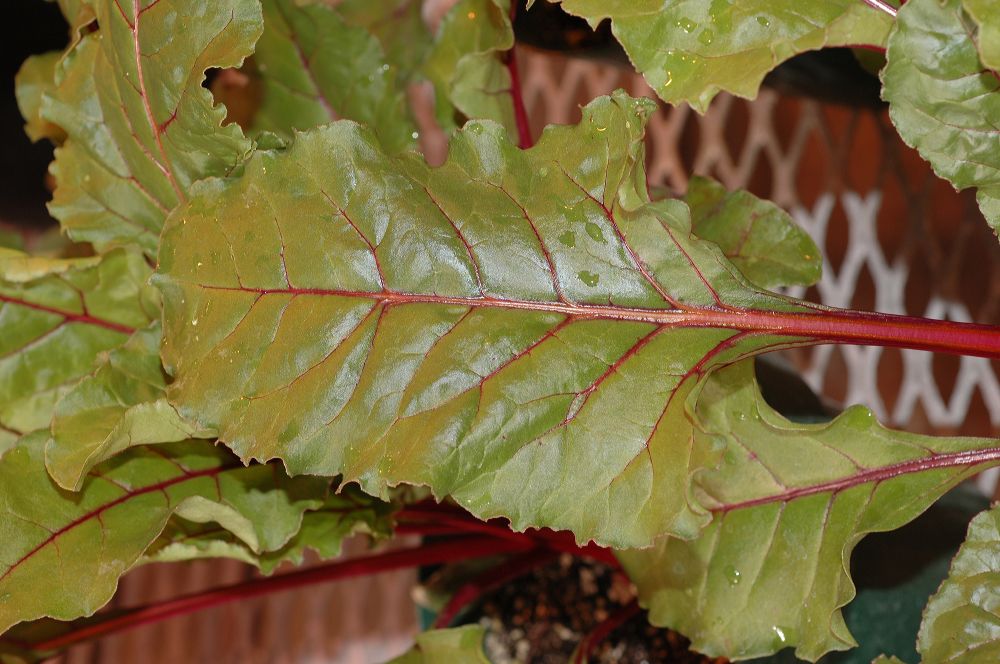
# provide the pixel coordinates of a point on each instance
(70, 316)
(821, 326)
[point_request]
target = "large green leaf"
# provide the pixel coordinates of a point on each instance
(789, 504)
(519, 329)
(466, 64)
(942, 99)
(141, 127)
(986, 14)
(56, 316)
(760, 238)
(962, 621)
(690, 50)
(61, 554)
(323, 531)
(457, 645)
(316, 68)
(120, 405)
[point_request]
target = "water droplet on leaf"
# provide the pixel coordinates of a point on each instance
(594, 231)
(733, 575)
(568, 238)
(763, 20)
(706, 37)
(686, 24)
(588, 278)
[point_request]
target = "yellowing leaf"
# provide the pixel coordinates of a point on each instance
(458, 645)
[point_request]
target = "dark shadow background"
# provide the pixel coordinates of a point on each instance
(30, 26)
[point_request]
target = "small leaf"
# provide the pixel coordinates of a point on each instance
(323, 531)
(943, 100)
(141, 128)
(316, 68)
(35, 78)
(689, 51)
(457, 645)
(760, 238)
(465, 64)
(961, 623)
(121, 405)
(986, 14)
(57, 316)
(61, 553)
(789, 503)
(360, 314)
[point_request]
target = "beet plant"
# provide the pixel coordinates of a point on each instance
(293, 329)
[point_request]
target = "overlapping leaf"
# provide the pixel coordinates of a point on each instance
(323, 531)
(316, 68)
(35, 78)
(466, 65)
(759, 238)
(120, 405)
(986, 14)
(457, 645)
(789, 503)
(57, 316)
(690, 50)
(399, 27)
(962, 620)
(517, 329)
(942, 99)
(61, 554)
(141, 127)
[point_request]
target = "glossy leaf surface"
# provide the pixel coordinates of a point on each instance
(789, 503)
(961, 623)
(760, 238)
(398, 25)
(316, 68)
(479, 328)
(57, 315)
(141, 127)
(61, 554)
(690, 50)
(942, 99)
(120, 405)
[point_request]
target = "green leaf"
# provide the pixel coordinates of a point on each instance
(399, 27)
(35, 78)
(942, 100)
(479, 328)
(323, 531)
(316, 68)
(961, 624)
(760, 238)
(986, 14)
(120, 405)
(141, 128)
(690, 50)
(789, 504)
(62, 553)
(457, 645)
(56, 317)
(466, 64)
